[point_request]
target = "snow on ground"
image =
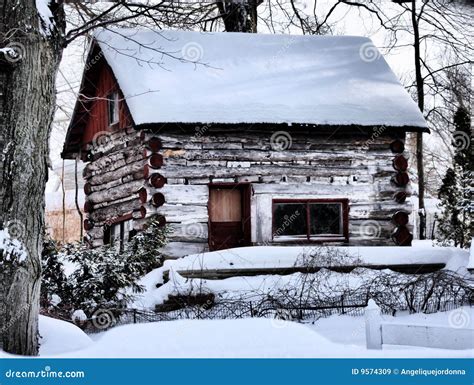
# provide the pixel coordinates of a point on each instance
(256, 257)
(333, 337)
(346, 329)
(59, 337)
(470, 265)
(246, 288)
(269, 256)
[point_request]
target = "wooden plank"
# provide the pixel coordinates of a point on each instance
(183, 213)
(228, 273)
(185, 194)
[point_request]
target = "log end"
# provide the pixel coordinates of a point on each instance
(402, 236)
(400, 218)
(397, 146)
(158, 199)
(400, 163)
(157, 180)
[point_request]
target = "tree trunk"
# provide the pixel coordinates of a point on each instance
(239, 15)
(419, 136)
(29, 88)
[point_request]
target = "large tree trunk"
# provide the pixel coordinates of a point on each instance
(29, 98)
(239, 15)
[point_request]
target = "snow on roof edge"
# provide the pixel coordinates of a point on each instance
(415, 122)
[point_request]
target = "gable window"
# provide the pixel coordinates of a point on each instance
(113, 107)
(118, 234)
(319, 220)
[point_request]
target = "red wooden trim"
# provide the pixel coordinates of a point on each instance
(247, 212)
(345, 221)
(308, 222)
(316, 241)
(317, 200)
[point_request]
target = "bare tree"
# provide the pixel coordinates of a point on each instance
(429, 25)
(33, 35)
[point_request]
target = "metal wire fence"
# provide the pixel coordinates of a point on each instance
(105, 319)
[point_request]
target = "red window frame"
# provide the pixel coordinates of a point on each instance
(309, 239)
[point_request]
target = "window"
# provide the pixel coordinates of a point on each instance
(119, 233)
(310, 220)
(113, 103)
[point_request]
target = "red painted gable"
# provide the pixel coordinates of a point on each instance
(90, 117)
(97, 123)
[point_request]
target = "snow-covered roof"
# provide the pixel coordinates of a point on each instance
(194, 77)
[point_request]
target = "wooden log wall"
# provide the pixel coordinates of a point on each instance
(166, 174)
(114, 177)
(362, 167)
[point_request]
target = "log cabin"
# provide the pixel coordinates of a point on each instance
(237, 139)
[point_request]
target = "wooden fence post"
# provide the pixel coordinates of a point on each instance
(373, 326)
(470, 265)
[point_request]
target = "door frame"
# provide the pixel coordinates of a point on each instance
(246, 193)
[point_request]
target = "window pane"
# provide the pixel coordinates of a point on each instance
(115, 234)
(326, 218)
(289, 219)
(127, 229)
(113, 101)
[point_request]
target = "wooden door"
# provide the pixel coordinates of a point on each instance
(229, 216)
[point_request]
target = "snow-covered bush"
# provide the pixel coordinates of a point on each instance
(143, 250)
(99, 275)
